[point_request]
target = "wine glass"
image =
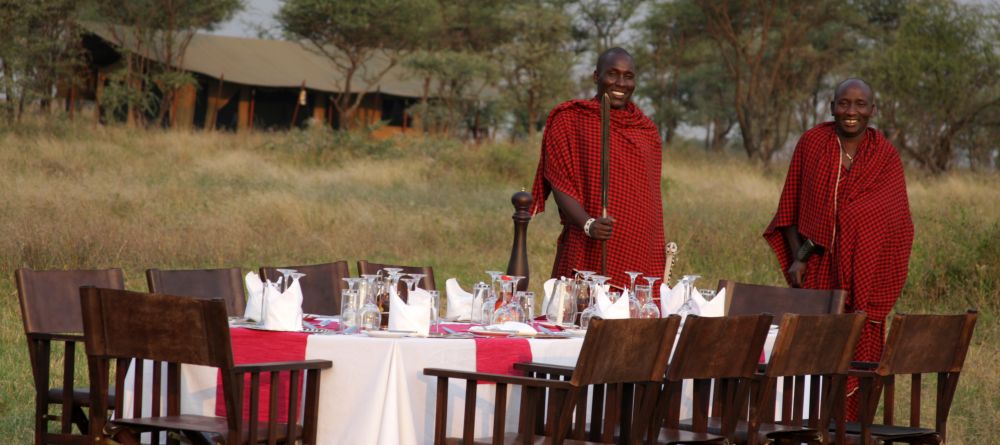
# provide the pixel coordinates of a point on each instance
(632, 276)
(494, 281)
(349, 310)
(283, 281)
(648, 309)
(596, 286)
(689, 307)
(370, 318)
(416, 279)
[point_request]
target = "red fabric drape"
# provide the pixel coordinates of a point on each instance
(860, 216)
(571, 163)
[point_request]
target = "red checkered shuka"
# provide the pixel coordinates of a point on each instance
(864, 226)
(571, 163)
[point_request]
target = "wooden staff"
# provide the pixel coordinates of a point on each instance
(605, 170)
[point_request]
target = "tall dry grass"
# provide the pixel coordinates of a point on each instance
(76, 196)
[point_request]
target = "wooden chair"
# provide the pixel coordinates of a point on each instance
(50, 310)
(715, 353)
(819, 347)
(321, 287)
(367, 268)
(121, 326)
(916, 345)
(226, 284)
(750, 299)
(614, 351)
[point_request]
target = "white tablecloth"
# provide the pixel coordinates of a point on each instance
(376, 392)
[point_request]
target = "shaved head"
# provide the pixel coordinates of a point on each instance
(842, 86)
(609, 55)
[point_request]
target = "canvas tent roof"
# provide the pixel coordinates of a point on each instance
(268, 63)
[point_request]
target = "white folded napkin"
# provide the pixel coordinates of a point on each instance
(548, 287)
(714, 308)
(413, 316)
(459, 301)
(513, 326)
(284, 309)
(671, 300)
(255, 291)
(608, 310)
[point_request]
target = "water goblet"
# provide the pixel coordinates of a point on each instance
(284, 274)
(416, 279)
(632, 276)
(688, 307)
(494, 281)
(648, 309)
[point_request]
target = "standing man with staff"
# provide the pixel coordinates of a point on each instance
(570, 168)
(843, 220)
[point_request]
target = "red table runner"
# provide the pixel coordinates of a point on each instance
(498, 355)
(253, 346)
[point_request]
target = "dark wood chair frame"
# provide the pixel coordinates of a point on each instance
(170, 331)
(225, 283)
(707, 355)
(749, 299)
(614, 352)
(820, 347)
(916, 345)
(50, 311)
(321, 287)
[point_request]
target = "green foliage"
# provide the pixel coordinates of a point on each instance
(937, 79)
(458, 82)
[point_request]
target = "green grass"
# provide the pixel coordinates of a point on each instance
(76, 196)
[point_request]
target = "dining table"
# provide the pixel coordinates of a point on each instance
(376, 392)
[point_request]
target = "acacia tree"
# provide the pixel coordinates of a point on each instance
(536, 61)
(938, 83)
(352, 34)
(771, 62)
(39, 50)
(159, 31)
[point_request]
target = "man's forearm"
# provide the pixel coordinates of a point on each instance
(792, 238)
(571, 208)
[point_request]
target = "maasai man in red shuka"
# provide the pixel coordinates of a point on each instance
(570, 168)
(843, 221)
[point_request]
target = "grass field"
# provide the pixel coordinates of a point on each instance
(75, 196)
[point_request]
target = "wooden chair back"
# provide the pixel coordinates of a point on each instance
(50, 312)
(750, 299)
(819, 347)
(122, 326)
(368, 268)
(321, 286)
(619, 351)
(918, 345)
(226, 284)
(719, 351)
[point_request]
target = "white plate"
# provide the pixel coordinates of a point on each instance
(576, 332)
(387, 334)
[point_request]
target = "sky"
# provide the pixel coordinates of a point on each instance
(256, 14)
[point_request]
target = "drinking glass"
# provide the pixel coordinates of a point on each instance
(689, 307)
(528, 302)
(632, 276)
(512, 311)
(494, 282)
(435, 313)
(561, 309)
(283, 281)
(349, 310)
(416, 279)
(370, 318)
(645, 295)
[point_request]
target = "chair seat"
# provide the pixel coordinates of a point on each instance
(205, 424)
(890, 431)
(669, 436)
(765, 430)
(515, 439)
(81, 397)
